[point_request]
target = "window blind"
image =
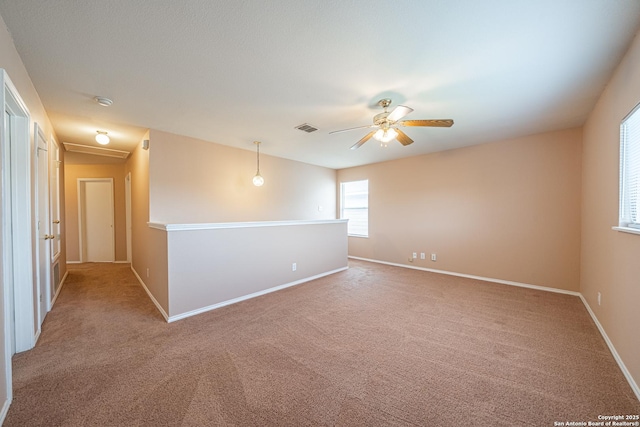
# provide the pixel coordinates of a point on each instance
(630, 169)
(355, 207)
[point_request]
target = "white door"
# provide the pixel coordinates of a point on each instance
(54, 186)
(54, 148)
(42, 224)
(96, 220)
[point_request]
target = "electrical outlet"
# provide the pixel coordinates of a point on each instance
(147, 272)
(422, 255)
(599, 298)
(415, 255)
(433, 257)
(294, 266)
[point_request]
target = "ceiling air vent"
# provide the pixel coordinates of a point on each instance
(87, 149)
(306, 127)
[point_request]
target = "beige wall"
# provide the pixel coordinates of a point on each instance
(72, 174)
(12, 63)
(610, 258)
(185, 180)
(507, 210)
(197, 181)
(138, 165)
(155, 275)
(149, 246)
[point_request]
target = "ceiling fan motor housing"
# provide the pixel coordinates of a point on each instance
(384, 103)
(379, 119)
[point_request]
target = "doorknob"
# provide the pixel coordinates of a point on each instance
(56, 221)
(49, 236)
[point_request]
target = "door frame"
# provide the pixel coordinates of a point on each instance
(127, 201)
(17, 167)
(81, 202)
(17, 222)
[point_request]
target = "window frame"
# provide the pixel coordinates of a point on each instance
(342, 208)
(626, 221)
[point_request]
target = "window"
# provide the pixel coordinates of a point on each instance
(354, 206)
(630, 169)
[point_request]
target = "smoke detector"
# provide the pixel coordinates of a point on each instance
(101, 100)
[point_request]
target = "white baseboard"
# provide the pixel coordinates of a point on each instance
(153, 299)
(616, 356)
(74, 262)
(614, 352)
(5, 410)
(121, 262)
(469, 276)
(253, 295)
(55, 297)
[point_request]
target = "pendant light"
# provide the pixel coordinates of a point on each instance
(258, 180)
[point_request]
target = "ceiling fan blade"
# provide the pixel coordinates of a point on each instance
(399, 112)
(358, 127)
(439, 123)
(363, 140)
(403, 138)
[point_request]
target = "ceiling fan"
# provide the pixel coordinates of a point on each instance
(387, 125)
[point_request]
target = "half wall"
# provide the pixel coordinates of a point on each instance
(213, 265)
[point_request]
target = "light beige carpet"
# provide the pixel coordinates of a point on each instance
(373, 345)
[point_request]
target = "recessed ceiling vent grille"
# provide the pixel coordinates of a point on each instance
(306, 127)
(87, 149)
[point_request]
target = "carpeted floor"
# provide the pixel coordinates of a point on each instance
(371, 346)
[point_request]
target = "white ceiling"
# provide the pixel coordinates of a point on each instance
(232, 71)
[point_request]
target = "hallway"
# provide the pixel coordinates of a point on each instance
(98, 321)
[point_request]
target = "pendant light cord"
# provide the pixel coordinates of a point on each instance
(258, 156)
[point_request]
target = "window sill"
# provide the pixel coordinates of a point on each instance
(627, 230)
(358, 235)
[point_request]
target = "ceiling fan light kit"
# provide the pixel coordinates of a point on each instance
(385, 135)
(387, 124)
